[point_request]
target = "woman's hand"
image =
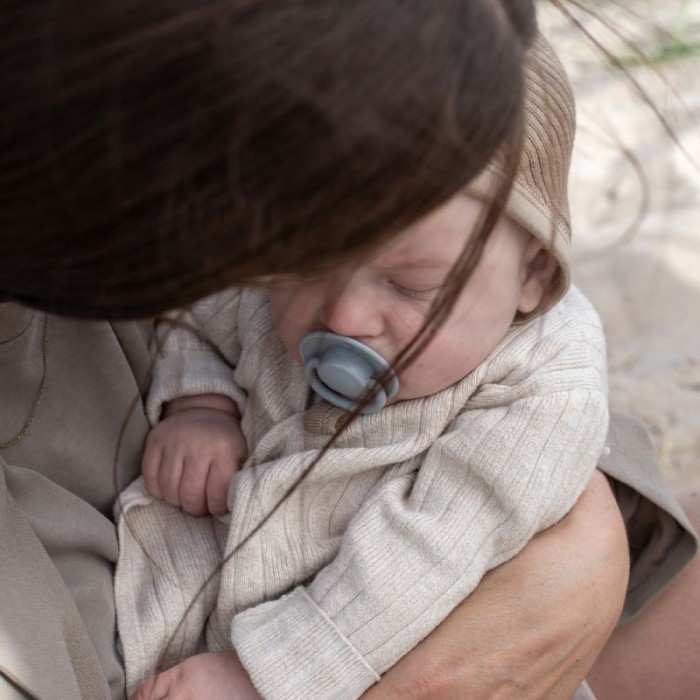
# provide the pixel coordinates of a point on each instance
(534, 626)
(212, 676)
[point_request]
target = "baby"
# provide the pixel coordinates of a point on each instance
(487, 438)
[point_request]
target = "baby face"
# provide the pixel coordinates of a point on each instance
(384, 301)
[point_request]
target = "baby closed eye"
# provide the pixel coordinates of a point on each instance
(426, 294)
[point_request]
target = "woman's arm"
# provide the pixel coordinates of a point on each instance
(656, 654)
(535, 625)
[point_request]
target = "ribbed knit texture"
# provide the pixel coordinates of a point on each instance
(539, 198)
(394, 526)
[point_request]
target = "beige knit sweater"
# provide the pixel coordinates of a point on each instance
(392, 529)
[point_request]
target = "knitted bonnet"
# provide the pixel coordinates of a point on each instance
(538, 200)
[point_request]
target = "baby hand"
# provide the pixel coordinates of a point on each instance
(191, 456)
(214, 676)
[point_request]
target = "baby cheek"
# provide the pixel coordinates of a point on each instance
(447, 360)
(440, 366)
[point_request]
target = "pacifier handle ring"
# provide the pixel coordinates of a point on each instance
(321, 388)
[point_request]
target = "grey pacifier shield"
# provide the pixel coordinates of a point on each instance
(342, 370)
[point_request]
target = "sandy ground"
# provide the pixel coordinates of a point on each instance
(636, 211)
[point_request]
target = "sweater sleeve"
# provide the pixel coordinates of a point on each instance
(422, 542)
(195, 352)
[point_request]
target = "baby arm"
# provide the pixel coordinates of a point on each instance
(191, 455)
(196, 444)
(518, 629)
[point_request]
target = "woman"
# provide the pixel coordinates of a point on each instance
(156, 154)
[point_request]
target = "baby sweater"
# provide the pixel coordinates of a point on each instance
(392, 528)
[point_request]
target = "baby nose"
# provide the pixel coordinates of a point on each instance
(352, 311)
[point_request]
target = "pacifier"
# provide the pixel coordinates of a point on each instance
(343, 371)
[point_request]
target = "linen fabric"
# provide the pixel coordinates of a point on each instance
(57, 488)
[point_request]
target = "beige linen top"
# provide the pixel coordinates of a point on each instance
(58, 543)
(390, 531)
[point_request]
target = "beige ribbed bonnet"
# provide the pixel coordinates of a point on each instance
(538, 200)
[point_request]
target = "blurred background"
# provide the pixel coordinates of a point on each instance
(635, 197)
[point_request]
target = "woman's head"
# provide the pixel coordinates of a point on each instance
(153, 154)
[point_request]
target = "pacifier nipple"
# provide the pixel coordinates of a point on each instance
(342, 370)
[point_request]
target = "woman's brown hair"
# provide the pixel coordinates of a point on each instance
(153, 153)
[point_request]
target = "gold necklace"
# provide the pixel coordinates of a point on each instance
(40, 392)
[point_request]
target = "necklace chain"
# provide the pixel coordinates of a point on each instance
(40, 391)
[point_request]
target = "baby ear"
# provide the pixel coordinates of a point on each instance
(540, 265)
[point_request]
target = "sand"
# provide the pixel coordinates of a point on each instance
(635, 200)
